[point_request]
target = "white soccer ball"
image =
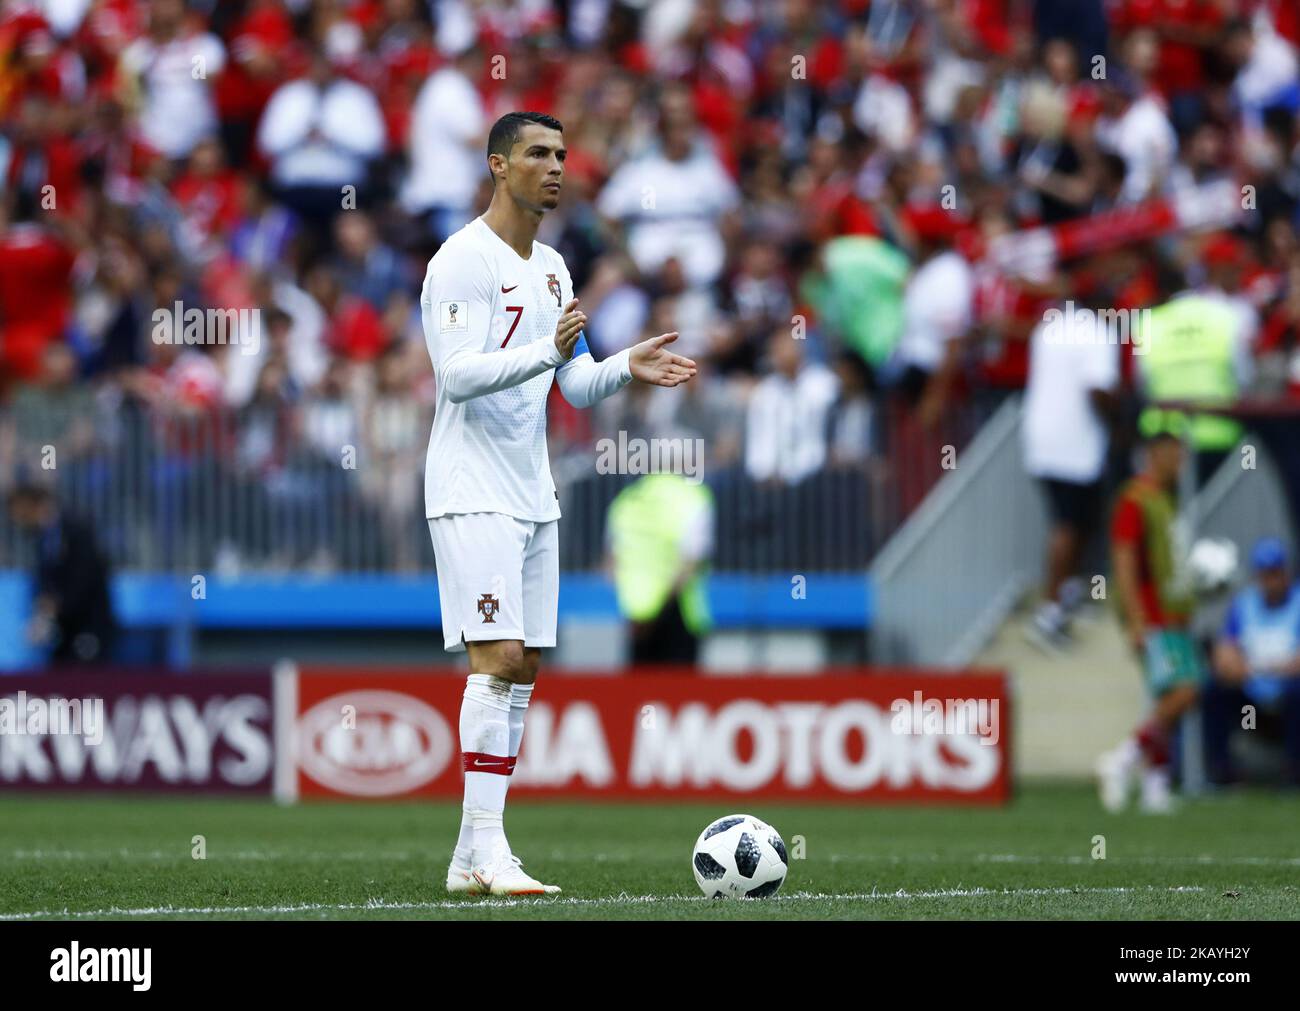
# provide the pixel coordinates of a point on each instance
(739, 857)
(1213, 563)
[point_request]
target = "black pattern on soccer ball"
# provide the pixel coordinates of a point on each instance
(779, 846)
(721, 825)
(708, 868)
(764, 890)
(747, 855)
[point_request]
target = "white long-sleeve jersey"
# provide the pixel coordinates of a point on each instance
(489, 322)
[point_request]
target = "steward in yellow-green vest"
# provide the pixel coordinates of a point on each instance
(648, 521)
(1186, 352)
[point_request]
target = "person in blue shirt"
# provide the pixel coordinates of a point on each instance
(1257, 663)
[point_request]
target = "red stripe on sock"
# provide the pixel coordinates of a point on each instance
(476, 761)
(1154, 742)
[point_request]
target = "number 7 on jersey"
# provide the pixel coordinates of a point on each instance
(518, 310)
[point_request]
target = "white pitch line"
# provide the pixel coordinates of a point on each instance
(1017, 858)
(1202, 859)
(183, 854)
(615, 900)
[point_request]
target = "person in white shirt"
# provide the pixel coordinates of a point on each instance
(938, 307)
(501, 324)
(1135, 125)
(320, 133)
(672, 201)
(173, 69)
(447, 125)
(787, 428)
(1266, 64)
(1073, 377)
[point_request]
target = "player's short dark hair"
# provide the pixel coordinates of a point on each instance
(505, 131)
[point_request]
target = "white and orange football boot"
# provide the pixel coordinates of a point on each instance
(460, 881)
(503, 874)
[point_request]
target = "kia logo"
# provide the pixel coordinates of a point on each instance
(397, 745)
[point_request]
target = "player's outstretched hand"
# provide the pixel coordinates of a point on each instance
(653, 363)
(569, 329)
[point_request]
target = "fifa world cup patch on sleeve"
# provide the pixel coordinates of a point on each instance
(454, 315)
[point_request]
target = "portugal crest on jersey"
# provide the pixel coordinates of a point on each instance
(488, 607)
(553, 286)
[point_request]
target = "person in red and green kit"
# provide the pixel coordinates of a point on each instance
(1153, 594)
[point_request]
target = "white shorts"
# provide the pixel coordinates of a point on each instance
(498, 578)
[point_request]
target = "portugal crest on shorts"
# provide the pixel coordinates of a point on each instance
(553, 286)
(488, 607)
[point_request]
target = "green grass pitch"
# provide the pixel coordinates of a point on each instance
(1223, 856)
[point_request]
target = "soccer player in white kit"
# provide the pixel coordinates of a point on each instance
(501, 323)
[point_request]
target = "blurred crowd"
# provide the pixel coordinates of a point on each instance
(738, 171)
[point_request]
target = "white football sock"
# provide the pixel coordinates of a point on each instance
(519, 699)
(520, 696)
(484, 745)
(1157, 793)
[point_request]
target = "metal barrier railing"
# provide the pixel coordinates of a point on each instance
(316, 489)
